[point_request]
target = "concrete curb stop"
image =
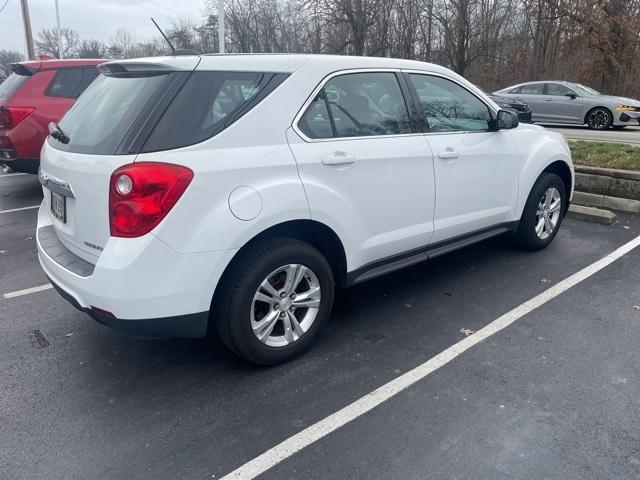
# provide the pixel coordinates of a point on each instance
(592, 214)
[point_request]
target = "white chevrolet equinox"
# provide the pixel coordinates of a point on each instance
(191, 194)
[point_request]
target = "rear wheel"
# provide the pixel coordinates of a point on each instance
(543, 213)
(274, 301)
(599, 118)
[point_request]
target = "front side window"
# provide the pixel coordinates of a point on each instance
(357, 105)
(448, 107)
(532, 89)
(71, 82)
(558, 90)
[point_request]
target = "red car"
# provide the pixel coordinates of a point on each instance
(36, 93)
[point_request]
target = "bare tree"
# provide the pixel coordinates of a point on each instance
(47, 42)
(7, 57)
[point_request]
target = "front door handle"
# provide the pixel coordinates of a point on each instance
(449, 154)
(338, 158)
(548, 99)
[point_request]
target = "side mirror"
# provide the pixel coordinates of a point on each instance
(571, 95)
(507, 120)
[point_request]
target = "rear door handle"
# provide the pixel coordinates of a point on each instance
(548, 99)
(338, 158)
(449, 154)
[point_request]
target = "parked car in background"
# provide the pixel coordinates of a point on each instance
(518, 106)
(33, 95)
(567, 102)
(233, 193)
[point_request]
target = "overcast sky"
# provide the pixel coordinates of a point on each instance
(97, 19)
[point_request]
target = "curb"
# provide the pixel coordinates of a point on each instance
(591, 214)
(606, 201)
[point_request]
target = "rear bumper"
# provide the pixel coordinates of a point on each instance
(192, 325)
(138, 286)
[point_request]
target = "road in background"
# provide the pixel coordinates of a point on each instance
(629, 135)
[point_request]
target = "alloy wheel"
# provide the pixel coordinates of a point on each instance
(285, 305)
(599, 119)
(548, 213)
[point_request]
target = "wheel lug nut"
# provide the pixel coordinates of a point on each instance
(291, 309)
(283, 294)
(276, 306)
(293, 295)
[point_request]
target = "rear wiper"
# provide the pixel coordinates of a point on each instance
(57, 133)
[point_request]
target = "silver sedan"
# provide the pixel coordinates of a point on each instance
(566, 102)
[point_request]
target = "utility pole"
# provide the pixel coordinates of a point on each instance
(28, 35)
(221, 25)
(59, 31)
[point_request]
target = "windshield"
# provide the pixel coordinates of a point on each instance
(11, 84)
(584, 90)
(104, 113)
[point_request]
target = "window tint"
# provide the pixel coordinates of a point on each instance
(315, 123)
(557, 89)
(532, 89)
(449, 107)
(100, 119)
(207, 104)
(11, 84)
(365, 104)
(71, 82)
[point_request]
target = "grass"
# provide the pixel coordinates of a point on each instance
(607, 155)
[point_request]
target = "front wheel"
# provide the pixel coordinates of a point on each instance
(543, 213)
(274, 301)
(599, 119)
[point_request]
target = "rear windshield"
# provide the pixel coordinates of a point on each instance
(100, 119)
(118, 115)
(11, 84)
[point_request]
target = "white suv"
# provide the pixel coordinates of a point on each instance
(233, 193)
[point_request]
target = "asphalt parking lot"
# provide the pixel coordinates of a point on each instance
(553, 395)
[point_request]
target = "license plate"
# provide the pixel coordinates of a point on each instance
(59, 206)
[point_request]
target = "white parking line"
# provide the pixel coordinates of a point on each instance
(12, 174)
(19, 209)
(324, 427)
(27, 291)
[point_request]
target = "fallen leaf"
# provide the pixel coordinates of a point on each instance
(466, 332)
(626, 227)
(636, 307)
(2, 252)
(29, 238)
(545, 280)
(69, 335)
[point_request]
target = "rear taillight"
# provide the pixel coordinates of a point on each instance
(141, 195)
(12, 116)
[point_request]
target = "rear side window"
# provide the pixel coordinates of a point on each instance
(207, 104)
(532, 89)
(316, 122)
(357, 105)
(100, 119)
(11, 84)
(71, 82)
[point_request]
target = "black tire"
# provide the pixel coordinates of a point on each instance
(599, 118)
(526, 235)
(619, 127)
(232, 306)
